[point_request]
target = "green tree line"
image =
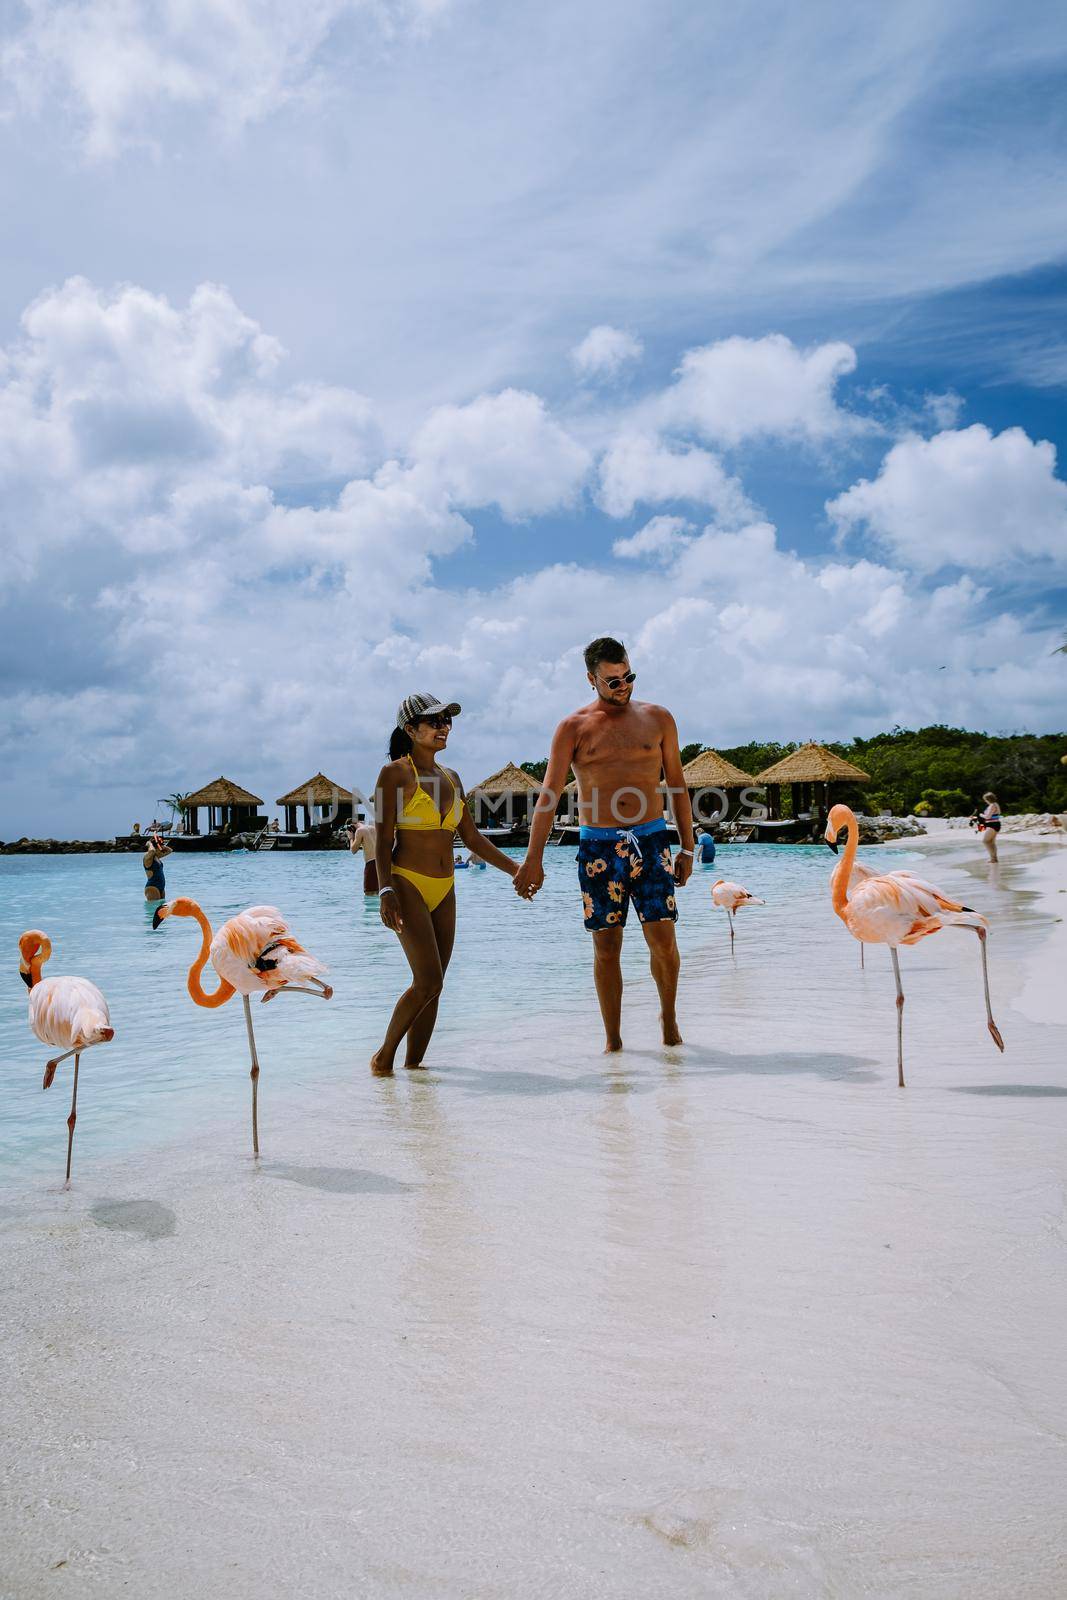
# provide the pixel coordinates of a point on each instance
(938, 769)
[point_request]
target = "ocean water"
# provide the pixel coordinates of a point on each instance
(735, 1321)
(173, 1066)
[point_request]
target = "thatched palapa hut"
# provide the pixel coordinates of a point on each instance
(505, 799)
(710, 770)
(811, 772)
(321, 800)
(230, 809)
(567, 804)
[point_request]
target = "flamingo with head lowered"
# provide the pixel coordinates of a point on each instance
(68, 1012)
(731, 897)
(896, 908)
(252, 953)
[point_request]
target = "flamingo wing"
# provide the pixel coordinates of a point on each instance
(69, 1012)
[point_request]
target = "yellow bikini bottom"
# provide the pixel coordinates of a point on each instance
(432, 890)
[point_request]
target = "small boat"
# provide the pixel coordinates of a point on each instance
(519, 834)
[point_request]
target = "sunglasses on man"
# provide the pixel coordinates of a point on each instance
(617, 683)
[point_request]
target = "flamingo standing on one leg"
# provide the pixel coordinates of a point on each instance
(253, 953)
(68, 1012)
(731, 897)
(894, 909)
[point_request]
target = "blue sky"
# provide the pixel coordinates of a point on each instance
(302, 406)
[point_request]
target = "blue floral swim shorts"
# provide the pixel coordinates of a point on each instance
(617, 865)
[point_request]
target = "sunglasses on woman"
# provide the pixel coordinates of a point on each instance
(440, 721)
(617, 683)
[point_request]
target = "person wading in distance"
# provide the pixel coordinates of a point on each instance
(621, 750)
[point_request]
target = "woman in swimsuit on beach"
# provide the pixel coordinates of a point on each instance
(990, 824)
(420, 808)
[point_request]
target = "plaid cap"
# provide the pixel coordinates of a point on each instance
(423, 705)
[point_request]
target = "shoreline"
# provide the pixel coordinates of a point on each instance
(738, 1318)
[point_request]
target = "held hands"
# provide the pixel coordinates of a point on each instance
(528, 879)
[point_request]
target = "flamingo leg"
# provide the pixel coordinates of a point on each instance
(900, 1017)
(863, 964)
(994, 1030)
(50, 1067)
(324, 992)
(254, 1075)
(731, 917)
(72, 1119)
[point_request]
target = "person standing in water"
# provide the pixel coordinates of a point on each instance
(362, 836)
(990, 824)
(420, 808)
(152, 861)
(621, 750)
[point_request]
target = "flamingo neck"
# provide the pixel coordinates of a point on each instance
(843, 871)
(219, 996)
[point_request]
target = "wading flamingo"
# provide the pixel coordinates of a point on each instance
(68, 1012)
(731, 897)
(896, 908)
(253, 953)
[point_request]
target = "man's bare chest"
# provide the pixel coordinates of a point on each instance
(611, 745)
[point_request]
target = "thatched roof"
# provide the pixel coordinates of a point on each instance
(712, 771)
(222, 792)
(323, 792)
(509, 780)
(813, 763)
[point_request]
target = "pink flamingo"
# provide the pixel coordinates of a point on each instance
(252, 953)
(68, 1012)
(731, 897)
(896, 908)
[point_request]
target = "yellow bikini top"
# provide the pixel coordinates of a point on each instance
(420, 812)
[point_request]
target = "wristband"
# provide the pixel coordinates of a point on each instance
(685, 852)
(388, 889)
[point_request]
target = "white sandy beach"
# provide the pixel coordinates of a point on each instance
(740, 1319)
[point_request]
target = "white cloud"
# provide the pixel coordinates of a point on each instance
(503, 449)
(967, 498)
(738, 389)
(944, 410)
(169, 599)
(604, 350)
(637, 468)
(120, 64)
(660, 537)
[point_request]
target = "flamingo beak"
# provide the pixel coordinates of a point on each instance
(161, 912)
(26, 977)
(831, 844)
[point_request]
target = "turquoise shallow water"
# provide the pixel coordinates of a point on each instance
(172, 1065)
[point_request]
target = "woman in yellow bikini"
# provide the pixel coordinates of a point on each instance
(420, 808)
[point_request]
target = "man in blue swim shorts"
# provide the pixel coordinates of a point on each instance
(623, 751)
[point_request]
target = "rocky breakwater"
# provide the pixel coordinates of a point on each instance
(59, 847)
(876, 830)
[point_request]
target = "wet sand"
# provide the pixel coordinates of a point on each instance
(737, 1319)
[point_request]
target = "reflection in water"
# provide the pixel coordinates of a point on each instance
(443, 1270)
